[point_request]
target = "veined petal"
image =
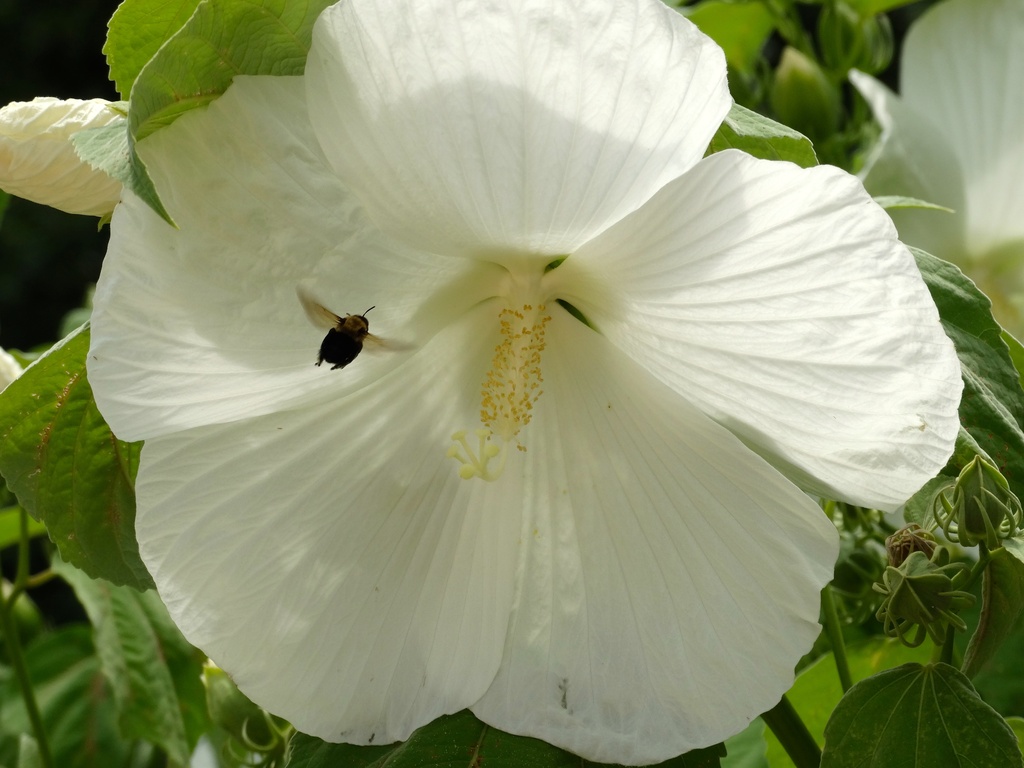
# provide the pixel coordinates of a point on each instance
(657, 550)
(976, 97)
(527, 126)
(914, 158)
(779, 300)
(201, 324)
(330, 559)
(39, 163)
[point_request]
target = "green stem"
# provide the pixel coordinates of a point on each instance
(834, 630)
(946, 652)
(791, 732)
(13, 646)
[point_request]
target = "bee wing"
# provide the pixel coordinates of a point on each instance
(318, 314)
(388, 344)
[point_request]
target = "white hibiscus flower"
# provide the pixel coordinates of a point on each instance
(565, 497)
(39, 163)
(955, 138)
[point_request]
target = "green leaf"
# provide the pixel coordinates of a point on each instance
(5, 199)
(135, 653)
(918, 508)
(74, 701)
(136, 31)
(918, 717)
(747, 748)
(992, 408)
(108, 148)
(1002, 603)
(740, 28)
(892, 202)
(459, 740)
(28, 752)
(868, 8)
(1017, 726)
(66, 467)
(758, 136)
(1016, 354)
(817, 691)
(220, 40)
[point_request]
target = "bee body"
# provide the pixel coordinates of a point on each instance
(344, 342)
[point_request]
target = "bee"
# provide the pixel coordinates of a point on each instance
(345, 335)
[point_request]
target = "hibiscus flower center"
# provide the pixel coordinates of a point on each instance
(509, 390)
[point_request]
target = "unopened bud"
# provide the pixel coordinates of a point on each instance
(804, 98)
(906, 541)
(921, 599)
(980, 508)
(253, 730)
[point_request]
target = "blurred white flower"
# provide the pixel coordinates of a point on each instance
(630, 352)
(10, 369)
(38, 162)
(955, 137)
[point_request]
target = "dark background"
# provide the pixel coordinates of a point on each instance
(49, 259)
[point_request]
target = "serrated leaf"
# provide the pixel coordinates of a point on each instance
(758, 136)
(136, 31)
(108, 148)
(460, 740)
(1001, 606)
(134, 658)
(220, 40)
(917, 716)
(992, 407)
(893, 202)
(817, 691)
(5, 199)
(740, 28)
(74, 701)
(67, 469)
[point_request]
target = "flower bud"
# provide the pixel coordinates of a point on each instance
(39, 163)
(249, 726)
(804, 98)
(979, 508)
(921, 594)
(906, 541)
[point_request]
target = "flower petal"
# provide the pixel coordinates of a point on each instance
(39, 163)
(779, 301)
(201, 324)
(665, 568)
(330, 559)
(525, 126)
(976, 97)
(913, 158)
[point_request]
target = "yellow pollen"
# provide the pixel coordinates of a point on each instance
(508, 393)
(512, 385)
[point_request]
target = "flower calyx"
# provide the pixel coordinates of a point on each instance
(979, 508)
(922, 597)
